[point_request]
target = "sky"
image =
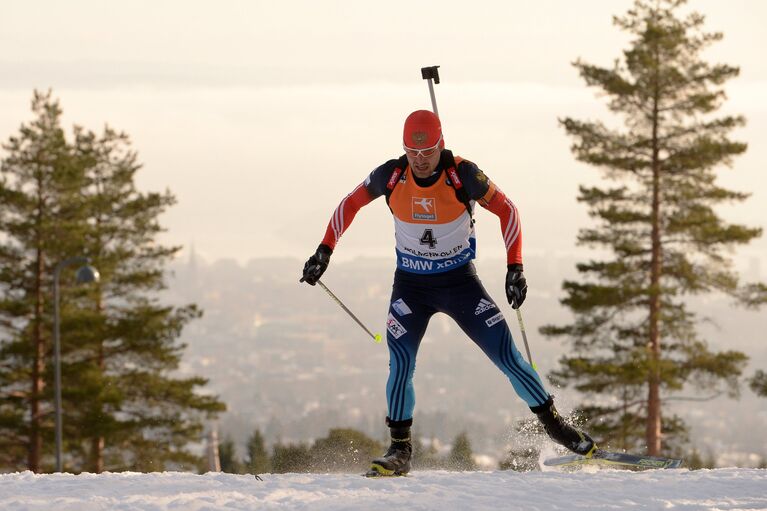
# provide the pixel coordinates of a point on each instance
(261, 116)
(699, 490)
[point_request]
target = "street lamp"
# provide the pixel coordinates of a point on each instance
(85, 274)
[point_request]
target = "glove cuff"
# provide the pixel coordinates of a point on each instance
(515, 267)
(324, 249)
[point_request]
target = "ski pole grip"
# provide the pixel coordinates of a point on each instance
(430, 73)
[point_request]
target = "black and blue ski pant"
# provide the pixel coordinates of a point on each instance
(459, 294)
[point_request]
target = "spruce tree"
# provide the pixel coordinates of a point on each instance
(124, 408)
(523, 459)
(257, 457)
(460, 457)
(425, 457)
(227, 454)
(634, 339)
(344, 450)
(758, 383)
(132, 412)
(40, 221)
(288, 458)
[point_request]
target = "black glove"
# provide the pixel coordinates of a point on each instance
(516, 286)
(316, 265)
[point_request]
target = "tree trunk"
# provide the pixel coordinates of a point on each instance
(97, 454)
(98, 442)
(653, 380)
(38, 381)
(653, 433)
(38, 357)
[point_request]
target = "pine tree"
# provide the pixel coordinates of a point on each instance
(132, 412)
(227, 455)
(344, 450)
(288, 458)
(523, 459)
(257, 458)
(634, 339)
(696, 461)
(524, 452)
(39, 217)
(460, 457)
(425, 457)
(758, 383)
(123, 407)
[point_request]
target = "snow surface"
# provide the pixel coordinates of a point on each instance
(720, 489)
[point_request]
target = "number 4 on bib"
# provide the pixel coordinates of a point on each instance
(428, 238)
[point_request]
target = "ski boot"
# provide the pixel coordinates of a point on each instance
(396, 461)
(563, 433)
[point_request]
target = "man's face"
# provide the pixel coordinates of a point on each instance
(423, 162)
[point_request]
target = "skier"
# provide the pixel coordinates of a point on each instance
(431, 195)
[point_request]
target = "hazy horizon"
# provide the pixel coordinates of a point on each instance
(260, 117)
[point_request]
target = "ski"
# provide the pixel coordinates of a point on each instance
(376, 474)
(601, 457)
(377, 470)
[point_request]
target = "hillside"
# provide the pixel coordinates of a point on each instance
(730, 489)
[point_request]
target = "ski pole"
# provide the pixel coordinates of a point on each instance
(431, 73)
(376, 337)
(524, 338)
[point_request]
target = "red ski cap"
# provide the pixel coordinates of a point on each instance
(422, 130)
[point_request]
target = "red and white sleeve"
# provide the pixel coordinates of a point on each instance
(344, 214)
(496, 202)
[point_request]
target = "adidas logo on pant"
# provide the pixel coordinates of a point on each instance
(483, 306)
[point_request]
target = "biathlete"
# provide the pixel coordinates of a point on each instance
(432, 195)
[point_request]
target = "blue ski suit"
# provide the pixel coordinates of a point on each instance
(434, 234)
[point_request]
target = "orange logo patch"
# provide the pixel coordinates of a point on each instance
(424, 208)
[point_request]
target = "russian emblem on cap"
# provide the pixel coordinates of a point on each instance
(419, 138)
(422, 129)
